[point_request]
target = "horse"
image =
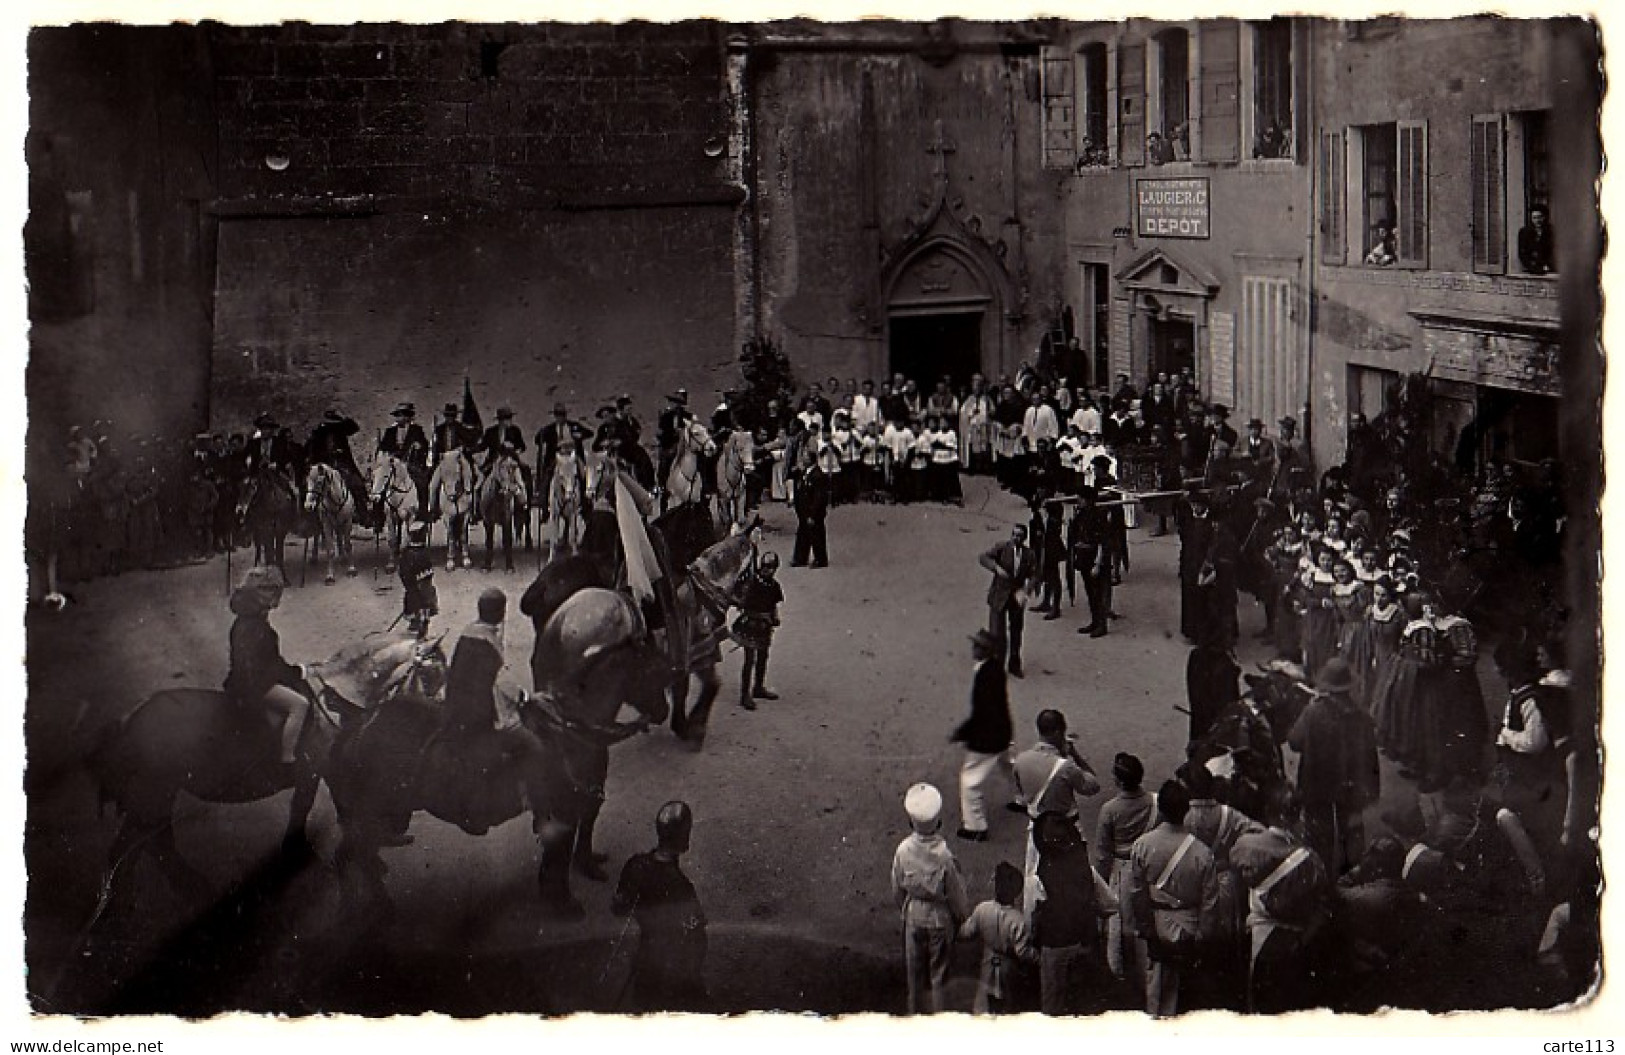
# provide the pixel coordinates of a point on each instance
(502, 497)
(202, 742)
(269, 510)
(595, 655)
(328, 497)
(685, 482)
(1242, 747)
(736, 462)
(394, 490)
(451, 491)
(703, 596)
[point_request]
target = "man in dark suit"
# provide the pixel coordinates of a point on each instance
(1012, 565)
(270, 450)
(330, 444)
(812, 505)
(503, 433)
(550, 438)
(1208, 555)
(448, 434)
(1092, 549)
(987, 735)
(405, 440)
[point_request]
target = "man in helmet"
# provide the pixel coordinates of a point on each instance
(759, 598)
(419, 601)
(668, 969)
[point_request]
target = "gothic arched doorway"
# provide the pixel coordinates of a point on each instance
(943, 317)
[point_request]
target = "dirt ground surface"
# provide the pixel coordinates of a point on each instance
(797, 805)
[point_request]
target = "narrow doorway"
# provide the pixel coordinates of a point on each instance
(927, 348)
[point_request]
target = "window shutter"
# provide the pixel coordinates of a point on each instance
(1220, 111)
(1131, 103)
(1333, 187)
(1412, 194)
(1489, 194)
(1060, 107)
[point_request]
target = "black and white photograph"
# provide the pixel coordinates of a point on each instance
(1065, 514)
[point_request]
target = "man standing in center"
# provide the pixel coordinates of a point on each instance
(1012, 565)
(1173, 898)
(987, 735)
(1051, 776)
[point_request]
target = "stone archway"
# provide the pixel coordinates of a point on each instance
(943, 315)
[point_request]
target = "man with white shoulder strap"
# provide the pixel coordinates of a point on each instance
(1287, 896)
(1173, 898)
(1051, 777)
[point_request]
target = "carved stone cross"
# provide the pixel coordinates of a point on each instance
(941, 146)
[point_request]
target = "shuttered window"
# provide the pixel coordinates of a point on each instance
(1271, 371)
(1333, 187)
(1411, 194)
(1488, 156)
(1220, 69)
(1093, 148)
(1060, 108)
(1131, 103)
(1272, 89)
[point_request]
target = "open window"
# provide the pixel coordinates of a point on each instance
(1392, 190)
(1169, 136)
(1094, 149)
(1529, 192)
(1272, 89)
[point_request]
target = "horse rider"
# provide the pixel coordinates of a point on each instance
(330, 444)
(405, 440)
(550, 438)
(448, 434)
(259, 677)
(672, 419)
(504, 434)
(419, 600)
(269, 449)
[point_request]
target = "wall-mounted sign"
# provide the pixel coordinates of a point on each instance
(1171, 208)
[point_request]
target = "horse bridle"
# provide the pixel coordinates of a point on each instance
(388, 488)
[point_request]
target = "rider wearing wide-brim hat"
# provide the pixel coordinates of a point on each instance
(259, 677)
(406, 440)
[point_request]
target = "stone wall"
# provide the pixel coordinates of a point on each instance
(547, 207)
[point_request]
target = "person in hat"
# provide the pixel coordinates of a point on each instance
(1208, 554)
(504, 435)
(405, 439)
(760, 595)
(1292, 460)
(553, 437)
(419, 601)
(259, 677)
(270, 452)
(1091, 550)
(1259, 450)
(448, 433)
(668, 968)
(671, 420)
(930, 892)
(329, 444)
(987, 735)
(1338, 775)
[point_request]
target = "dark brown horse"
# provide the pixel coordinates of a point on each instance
(403, 759)
(269, 510)
(204, 743)
(1242, 746)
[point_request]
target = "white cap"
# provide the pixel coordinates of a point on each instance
(923, 803)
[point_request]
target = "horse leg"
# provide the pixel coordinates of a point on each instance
(348, 545)
(710, 685)
(295, 841)
(556, 840)
(194, 888)
(679, 704)
(490, 541)
(507, 540)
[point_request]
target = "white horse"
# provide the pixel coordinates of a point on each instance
(328, 496)
(737, 461)
(452, 491)
(392, 487)
(684, 483)
(566, 498)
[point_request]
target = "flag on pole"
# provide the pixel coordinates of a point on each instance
(641, 567)
(471, 413)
